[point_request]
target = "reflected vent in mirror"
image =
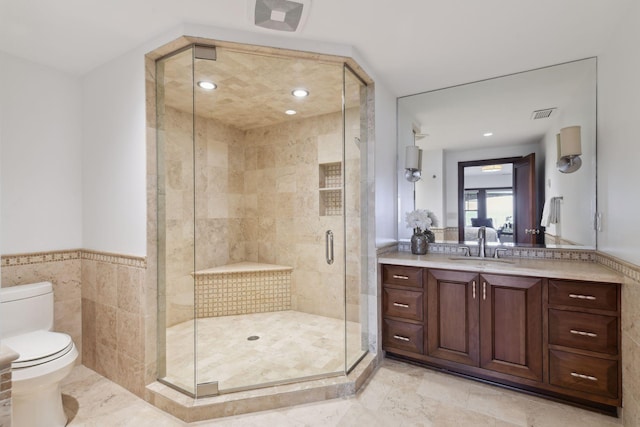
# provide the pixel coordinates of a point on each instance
(542, 114)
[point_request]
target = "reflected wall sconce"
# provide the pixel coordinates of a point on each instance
(412, 163)
(569, 149)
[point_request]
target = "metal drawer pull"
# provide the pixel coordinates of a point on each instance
(399, 304)
(474, 289)
(401, 338)
(578, 296)
(395, 276)
(584, 377)
(484, 291)
(583, 333)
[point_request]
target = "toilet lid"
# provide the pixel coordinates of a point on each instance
(38, 347)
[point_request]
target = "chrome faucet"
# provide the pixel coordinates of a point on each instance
(482, 238)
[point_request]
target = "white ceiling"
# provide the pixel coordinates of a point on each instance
(412, 45)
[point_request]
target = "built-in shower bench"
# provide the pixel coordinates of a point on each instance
(242, 288)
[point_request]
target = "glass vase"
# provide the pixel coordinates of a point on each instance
(419, 242)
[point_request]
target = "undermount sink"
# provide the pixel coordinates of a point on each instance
(479, 259)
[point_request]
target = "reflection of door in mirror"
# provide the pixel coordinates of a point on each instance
(499, 194)
(524, 184)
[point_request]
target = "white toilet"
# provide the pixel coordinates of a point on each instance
(46, 357)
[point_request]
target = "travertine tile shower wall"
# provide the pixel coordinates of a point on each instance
(256, 199)
(283, 222)
(211, 196)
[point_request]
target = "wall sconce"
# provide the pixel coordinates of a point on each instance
(412, 163)
(569, 149)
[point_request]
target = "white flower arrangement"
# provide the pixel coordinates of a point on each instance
(423, 219)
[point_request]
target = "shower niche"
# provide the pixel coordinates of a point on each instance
(330, 189)
(247, 194)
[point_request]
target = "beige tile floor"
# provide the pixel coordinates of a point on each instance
(291, 344)
(398, 394)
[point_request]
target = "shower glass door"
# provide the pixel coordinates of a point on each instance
(355, 216)
(254, 242)
(176, 257)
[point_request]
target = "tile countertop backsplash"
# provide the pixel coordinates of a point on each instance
(549, 268)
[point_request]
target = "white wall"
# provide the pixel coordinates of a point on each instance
(386, 186)
(619, 141)
(40, 143)
(114, 157)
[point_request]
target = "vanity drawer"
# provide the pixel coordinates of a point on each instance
(592, 332)
(603, 296)
(584, 373)
(401, 303)
(403, 336)
(402, 276)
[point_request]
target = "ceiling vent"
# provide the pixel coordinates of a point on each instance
(279, 15)
(542, 114)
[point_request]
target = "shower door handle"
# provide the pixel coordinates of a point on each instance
(328, 242)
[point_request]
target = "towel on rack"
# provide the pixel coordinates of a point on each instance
(551, 212)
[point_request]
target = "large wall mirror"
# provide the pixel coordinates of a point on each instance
(489, 154)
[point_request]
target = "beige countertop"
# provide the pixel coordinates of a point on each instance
(553, 269)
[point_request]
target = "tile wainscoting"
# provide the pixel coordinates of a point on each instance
(99, 301)
(62, 269)
(114, 317)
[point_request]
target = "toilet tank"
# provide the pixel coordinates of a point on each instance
(26, 308)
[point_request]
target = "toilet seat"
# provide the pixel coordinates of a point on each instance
(38, 347)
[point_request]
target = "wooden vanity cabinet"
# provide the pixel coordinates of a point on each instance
(511, 325)
(452, 316)
(403, 308)
(553, 337)
(584, 340)
(488, 321)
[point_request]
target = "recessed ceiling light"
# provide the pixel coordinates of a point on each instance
(207, 85)
(290, 112)
(300, 93)
(487, 134)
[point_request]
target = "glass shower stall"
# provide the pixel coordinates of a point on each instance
(262, 198)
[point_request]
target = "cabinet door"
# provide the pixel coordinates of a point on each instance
(452, 316)
(511, 325)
